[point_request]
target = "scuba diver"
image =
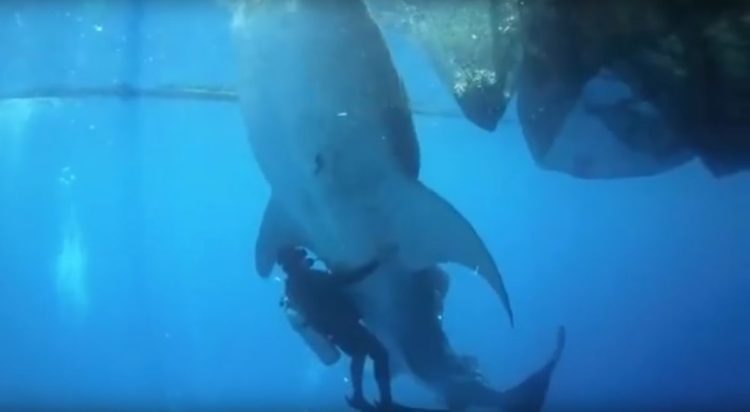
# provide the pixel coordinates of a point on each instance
(320, 310)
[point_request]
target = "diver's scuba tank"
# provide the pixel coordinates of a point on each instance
(328, 353)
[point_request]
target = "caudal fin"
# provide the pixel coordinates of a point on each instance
(431, 231)
(529, 395)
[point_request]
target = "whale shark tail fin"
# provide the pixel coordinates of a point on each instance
(430, 230)
(530, 395)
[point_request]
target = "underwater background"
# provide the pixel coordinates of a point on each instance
(127, 228)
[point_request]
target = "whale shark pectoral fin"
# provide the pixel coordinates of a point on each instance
(432, 231)
(530, 394)
(277, 230)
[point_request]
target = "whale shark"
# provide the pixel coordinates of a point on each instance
(329, 124)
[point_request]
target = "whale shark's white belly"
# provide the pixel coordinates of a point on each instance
(317, 131)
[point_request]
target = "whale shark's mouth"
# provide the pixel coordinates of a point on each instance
(381, 298)
(402, 309)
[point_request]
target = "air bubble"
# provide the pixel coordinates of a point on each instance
(66, 177)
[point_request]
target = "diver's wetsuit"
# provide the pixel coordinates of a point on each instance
(320, 297)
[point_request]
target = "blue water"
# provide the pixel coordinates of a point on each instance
(127, 230)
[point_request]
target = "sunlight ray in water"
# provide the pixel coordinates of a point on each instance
(14, 116)
(71, 261)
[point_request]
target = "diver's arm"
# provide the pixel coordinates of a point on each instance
(347, 278)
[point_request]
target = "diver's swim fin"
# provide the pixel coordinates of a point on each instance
(393, 407)
(529, 395)
(402, 408)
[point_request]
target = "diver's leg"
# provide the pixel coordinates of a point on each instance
(357, 369)
(382, 369)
